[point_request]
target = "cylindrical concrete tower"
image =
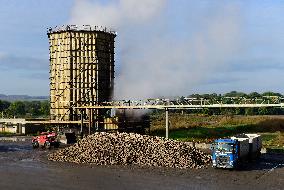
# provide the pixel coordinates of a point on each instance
(81, 69)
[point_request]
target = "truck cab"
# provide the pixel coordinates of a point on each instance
(225, 153)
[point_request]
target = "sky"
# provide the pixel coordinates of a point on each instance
(163, 48)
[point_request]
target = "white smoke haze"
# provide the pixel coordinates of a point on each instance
(155, 55)
(115, 13)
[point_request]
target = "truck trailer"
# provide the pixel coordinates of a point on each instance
(228, 153)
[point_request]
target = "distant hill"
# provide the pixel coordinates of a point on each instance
(12, 98)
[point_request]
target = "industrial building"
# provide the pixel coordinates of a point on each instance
(81, 70)
(20, 126)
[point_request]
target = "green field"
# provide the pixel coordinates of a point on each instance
(201, 128)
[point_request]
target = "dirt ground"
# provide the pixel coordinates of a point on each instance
(21, 167)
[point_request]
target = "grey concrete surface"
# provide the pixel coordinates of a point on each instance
(21, 167)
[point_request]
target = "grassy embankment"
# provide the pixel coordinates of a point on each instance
(188, 127)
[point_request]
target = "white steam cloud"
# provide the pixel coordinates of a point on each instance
(164, 49)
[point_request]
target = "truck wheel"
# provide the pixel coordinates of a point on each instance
(56, 145)
(258, 154)
(237, 165)
(35, 144)
(47, 145)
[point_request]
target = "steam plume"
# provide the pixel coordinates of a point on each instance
(164, 49)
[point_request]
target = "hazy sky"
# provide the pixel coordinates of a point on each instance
(163, 47)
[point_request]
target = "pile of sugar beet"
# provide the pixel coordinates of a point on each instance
(131, 149)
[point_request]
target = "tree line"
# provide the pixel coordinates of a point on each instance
(229, 98)
(238, 111)
(251, 95)
(26, 109)
(37, 109)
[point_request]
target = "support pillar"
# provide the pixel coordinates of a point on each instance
(90, 120)
(167, 123)
(82, 123)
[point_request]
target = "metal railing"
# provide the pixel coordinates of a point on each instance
(80, 28)
(192, 103)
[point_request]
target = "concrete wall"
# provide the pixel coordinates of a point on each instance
(19, 126)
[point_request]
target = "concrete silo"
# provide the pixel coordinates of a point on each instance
(81, 69)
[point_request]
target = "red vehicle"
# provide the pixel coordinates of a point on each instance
(46, 140)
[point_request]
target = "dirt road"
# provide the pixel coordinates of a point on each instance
(24, 168)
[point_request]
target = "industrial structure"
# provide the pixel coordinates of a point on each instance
(189, 103)
(81, 70)
(82, 82)
(20, 126)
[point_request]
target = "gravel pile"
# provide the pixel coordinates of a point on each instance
(128, 148)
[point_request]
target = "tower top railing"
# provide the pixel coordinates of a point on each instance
(65, 28)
